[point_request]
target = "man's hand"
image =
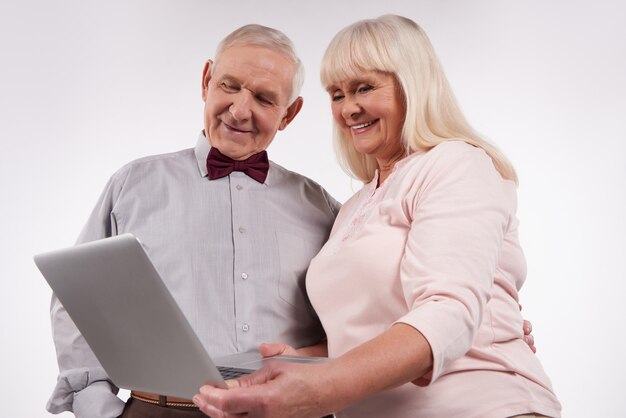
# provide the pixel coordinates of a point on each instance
(277, 349)
(528, 337)
(528, 328)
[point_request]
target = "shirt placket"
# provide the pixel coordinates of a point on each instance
(243, 273)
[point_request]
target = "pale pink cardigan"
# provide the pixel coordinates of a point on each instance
(435, 247)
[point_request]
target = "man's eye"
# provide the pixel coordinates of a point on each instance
(264, 100)
(228, 87)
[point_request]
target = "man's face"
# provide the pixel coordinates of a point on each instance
(246, 99)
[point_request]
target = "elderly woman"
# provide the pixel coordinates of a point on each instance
(417, 287)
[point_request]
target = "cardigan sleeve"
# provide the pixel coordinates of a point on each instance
(459, 216)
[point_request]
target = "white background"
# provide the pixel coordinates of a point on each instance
(87, 86)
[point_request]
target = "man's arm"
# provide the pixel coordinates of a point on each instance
(83, 386)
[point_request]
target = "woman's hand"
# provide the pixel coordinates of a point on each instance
(278, 390)
(399, 355)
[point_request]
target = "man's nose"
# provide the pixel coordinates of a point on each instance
(241, 106)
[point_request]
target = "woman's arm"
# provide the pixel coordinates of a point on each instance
(397, 356)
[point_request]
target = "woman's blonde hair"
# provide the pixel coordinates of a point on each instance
(397, 45)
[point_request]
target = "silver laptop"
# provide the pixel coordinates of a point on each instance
(117, 299)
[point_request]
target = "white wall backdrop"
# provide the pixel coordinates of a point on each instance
(87, 86)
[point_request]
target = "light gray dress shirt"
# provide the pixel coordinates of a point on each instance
(233, 252)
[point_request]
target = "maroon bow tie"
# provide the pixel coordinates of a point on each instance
(218, 165)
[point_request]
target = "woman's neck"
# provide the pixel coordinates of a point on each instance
(385, 167)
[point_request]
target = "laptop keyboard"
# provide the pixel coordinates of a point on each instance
(231, 372)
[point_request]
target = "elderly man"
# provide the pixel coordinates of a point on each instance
(231, 232)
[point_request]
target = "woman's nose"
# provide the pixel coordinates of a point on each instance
(350, 108)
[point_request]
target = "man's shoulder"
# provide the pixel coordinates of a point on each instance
(292, 182)
(162, 158)
(150, 162)
(283, 175)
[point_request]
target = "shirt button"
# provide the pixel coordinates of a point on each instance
(239, 187)
(244, 276)
(245, 327)
(242, 229)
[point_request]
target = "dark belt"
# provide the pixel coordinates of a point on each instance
(162, 400)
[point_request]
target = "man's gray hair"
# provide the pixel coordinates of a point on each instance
(273, 39)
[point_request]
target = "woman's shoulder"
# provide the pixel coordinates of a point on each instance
(456, 149)
(450, 153)
(448, 162)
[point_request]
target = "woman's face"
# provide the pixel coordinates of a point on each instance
(369, 109)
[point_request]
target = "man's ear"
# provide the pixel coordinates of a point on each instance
(206, 77)
(291, 113)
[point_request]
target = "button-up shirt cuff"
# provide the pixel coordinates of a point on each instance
(87, 393)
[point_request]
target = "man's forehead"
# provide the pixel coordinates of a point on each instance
(257, 68)
(254, 60)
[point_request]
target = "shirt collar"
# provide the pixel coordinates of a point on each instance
(202, 151)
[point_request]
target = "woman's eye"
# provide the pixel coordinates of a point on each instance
(364, 89)
(337, 97)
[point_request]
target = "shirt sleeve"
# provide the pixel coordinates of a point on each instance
(334, 205)
(83, 386)
(459, 218)
(86, 392)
